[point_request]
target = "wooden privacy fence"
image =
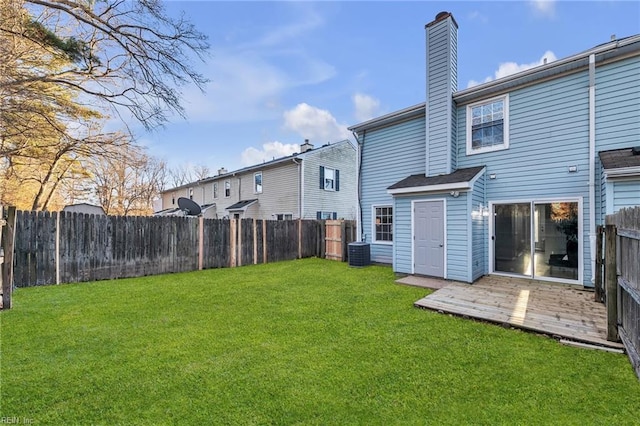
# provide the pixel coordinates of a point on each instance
(51, 248)
(339, 234)
(622, 280)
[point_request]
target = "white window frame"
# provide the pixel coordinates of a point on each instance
(332, 180)
(505, 123)
(215, 190)
(326, 215)
(257, 190)
(284, 216)
(374, 239)
(227, 183)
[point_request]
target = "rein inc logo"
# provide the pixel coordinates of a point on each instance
(16, 421)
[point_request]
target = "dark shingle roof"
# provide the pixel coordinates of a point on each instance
(459, 176)
(241, 204)
(620, 158)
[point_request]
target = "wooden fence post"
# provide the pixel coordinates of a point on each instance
(299, 238)
(599, 290)
(611, 283)
(7, 239)
(239, 243)
(264, 241)
(200, 242)
(233, 239)
(255, 242)
(57, 254)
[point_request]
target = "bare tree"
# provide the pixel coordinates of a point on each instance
(64, 65)
(128, 181)
(187, 173)
(126, 54)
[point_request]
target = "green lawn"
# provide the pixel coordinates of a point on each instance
(301, 342)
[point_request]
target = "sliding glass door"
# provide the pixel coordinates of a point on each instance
(538, 239)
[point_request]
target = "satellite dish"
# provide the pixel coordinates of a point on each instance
(189, 207)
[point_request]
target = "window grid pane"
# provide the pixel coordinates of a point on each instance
(384, 224)
(487, 125)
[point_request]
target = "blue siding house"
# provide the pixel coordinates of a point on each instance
(510, 177)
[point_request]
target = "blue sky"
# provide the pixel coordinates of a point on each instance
(284, 71)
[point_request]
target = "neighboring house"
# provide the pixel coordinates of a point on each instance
(316, 183)
(84, 208)
(509, 177)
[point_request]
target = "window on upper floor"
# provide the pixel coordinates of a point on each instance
(227, 188)
(215, 189)
(488, 125)
(191, 193)
(329, 179)
(382, 224)
(257, 183)
(173, 200)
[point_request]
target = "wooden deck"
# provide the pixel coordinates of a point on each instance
(565, 311)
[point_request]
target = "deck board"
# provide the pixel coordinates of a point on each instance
(560, 310)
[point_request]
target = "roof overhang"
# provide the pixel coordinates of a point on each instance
(463, 185)
(605, 52)
(241, 206)
(623, 172)
(459, 186)
(394, 117)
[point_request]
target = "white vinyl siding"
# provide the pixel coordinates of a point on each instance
(342, 158)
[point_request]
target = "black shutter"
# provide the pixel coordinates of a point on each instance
(335, 215)
(321, 177)
(318, 215)
(337, 180)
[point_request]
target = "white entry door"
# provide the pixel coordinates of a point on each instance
(428, 245)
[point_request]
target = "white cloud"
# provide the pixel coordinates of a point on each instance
(544, 8)
(509, 68)
(250, 77)
(367, 107)
(306, 20)
(269, 151)
(477, 16)
(315, 124)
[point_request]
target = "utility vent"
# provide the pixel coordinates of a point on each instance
(359, 254)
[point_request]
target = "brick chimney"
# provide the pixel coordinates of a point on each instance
(306, 146)
(222, 171)
(442, 81)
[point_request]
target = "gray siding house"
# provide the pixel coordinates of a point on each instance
(316, 183)
(510, 177)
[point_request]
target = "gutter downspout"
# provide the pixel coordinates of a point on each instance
(592, 165)
(300, 186)
(359, 180)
